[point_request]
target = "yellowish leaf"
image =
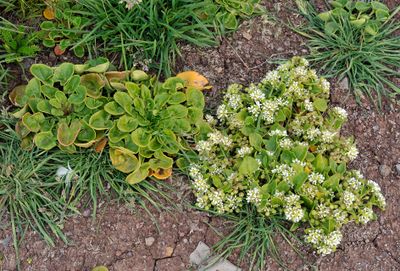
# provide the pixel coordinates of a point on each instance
(162, 174)
(48, 13)
(194, 79)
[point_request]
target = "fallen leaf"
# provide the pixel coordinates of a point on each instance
(58, 51)
(48, 13)
(194, 79)
(162, 174)
(100, 145)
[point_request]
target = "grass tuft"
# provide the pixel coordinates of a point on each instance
(368, 63)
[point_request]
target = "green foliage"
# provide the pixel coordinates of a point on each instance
(356, 40)
(277, 146)
(150, 31)
(22, 6)
(66, 30)
(149, 120)
(57, 104)
(16, 42)
(143, 119)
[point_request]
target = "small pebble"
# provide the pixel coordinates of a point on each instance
(149, 241)
(384, 170)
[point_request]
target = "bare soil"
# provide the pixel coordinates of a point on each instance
(126, 238)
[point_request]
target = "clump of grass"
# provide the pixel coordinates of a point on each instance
(29, 193)
(149, 32)
(367, 54)
(254, 238)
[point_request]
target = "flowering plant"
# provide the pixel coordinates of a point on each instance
(277, 146)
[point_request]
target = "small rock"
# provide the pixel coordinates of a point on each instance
(169, 251)
(398, 168)
(247, 36)
(200, 254)
(344, 84)
(221, 265)
(384, 170)
(149, 241)
(86, 213)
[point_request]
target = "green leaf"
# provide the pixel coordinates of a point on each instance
(66, 135)
(195, 98)
(124, 100)
(177, 98)
(248, 166)
(114, 109)
(287, 157)
(127, 123)
(181, 126)
(78, 97)
(299, 179)
(160, 160)
(32, 89)
(331, 28)
(100, 121)
(93, 84)
(176, 111)
(138, 75)
(256, 141)
(325, 16)
(45, 140)
(320, 163)
(92, 103)
(333, 182)
(33, 122)
(86, 134)
(42, 72)
(141, 137)
(116, 135)
(160, 100)
(320, 104)
(79, 51)
(195, 114)
(139, 175)
(63, 73)
(300, 152)
(124, 160)
(133, 89)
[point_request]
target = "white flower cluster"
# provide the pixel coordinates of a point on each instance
(297, 166)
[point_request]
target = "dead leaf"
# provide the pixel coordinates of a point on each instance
(162, 174)
(169, 251)
(48, 13)
(100, 145)
(194, 79)
(58, 51)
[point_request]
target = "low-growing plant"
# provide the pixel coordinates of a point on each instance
(277, 146)
(57, 105)
(16, 42)
(64, 28)
(79, 106)
(149, 120)
(357, 40)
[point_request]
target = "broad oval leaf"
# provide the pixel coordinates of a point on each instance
(66, 135)
(123, 160)
(45, 140)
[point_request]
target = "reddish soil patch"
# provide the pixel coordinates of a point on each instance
(117, 238)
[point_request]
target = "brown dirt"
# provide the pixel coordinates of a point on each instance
(117, 237)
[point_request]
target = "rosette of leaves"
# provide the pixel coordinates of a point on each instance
(277, 146)
(57, 105)
(366, 16)
(65, 30)
(229, 12)
(149, 121)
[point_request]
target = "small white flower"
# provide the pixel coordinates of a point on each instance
(308, 105)
(316, 178)
(278, 132)
(352, 153)
(348, 198)
(253, 196)
(244, 151)
(340, 112)
(222, 112)
(366, 215)
(285, 143)
(210, 119)
(354, 183)
(294, 213)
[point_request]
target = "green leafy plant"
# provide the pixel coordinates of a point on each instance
(65, 31)
(356, 40)
(57, 105)
(22, 6)
(16, 42)
(277, 146)
(149, 120)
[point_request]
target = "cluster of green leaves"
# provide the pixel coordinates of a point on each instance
(149, 120)
(357, 40)
(57, 105)
(228, 13)
(21, 6)
(65, 30)
(144, 120)
(16, 42)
